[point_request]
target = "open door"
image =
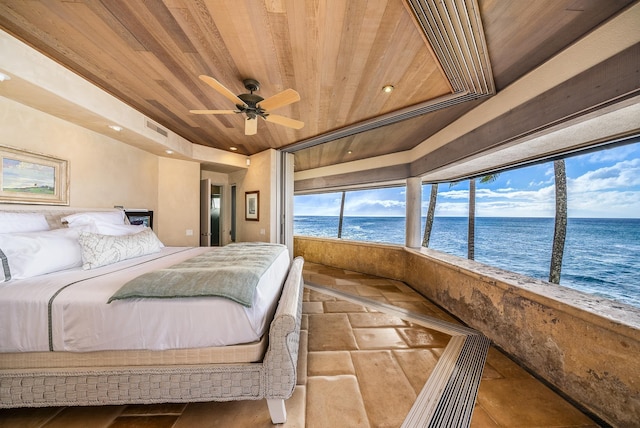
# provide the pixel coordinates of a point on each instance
(233, 213)
(216, 217)
(205, 212)
(210, 209)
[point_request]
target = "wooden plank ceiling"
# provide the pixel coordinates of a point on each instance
(337, 54)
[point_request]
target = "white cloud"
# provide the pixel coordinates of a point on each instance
(515, 209)
(452, 209)
(454, 194)
(612, 204)
(320, 204)
(503, 202)
(363, 206)
(525, 195)
(621, 175)
(542, 182)
(612, 155)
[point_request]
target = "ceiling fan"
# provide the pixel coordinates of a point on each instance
(254, 106)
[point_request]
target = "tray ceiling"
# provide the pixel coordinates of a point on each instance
(443, 58)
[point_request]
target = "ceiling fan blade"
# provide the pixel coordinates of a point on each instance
(221, 89)
(286, 97)
(213, 111)
(250, 126)
(281, 120)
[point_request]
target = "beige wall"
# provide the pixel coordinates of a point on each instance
(217, 178)
(178, 202)
(586, 347)
(103, 172)
(261, 176)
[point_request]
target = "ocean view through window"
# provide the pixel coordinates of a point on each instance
(514, 221)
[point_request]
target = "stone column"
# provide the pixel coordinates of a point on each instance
(414, 212)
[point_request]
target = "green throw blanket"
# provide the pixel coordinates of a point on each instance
(232, 272)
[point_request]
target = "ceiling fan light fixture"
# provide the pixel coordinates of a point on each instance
(387, 89)
(253, 105)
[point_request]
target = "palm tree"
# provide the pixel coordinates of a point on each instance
(471, 228)
(428, 226)
(489, 178)
(560, 229)
(471, 233)
(341, 217)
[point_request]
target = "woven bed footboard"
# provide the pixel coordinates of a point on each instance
(281, 358)
(140, 385)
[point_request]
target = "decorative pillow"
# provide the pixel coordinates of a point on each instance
(112, 217)
(101, 250)
(24, 255)
(22, 222)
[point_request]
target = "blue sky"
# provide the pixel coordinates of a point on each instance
(603, 184)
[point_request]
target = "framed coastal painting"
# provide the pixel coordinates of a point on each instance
(252, 205)
(32, 178)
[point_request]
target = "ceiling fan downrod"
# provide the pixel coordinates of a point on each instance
(251, 100)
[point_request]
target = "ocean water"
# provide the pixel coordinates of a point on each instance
(601, 257)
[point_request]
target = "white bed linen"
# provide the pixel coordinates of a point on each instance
(83, 321)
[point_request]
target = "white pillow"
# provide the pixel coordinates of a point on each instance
(101, 250)
(112, 217)
(24, 255)
(118, 229)
(22, 222)
(105, 228)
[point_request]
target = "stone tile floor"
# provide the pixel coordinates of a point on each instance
(358, 368)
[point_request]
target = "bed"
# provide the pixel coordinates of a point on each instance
(81, 350)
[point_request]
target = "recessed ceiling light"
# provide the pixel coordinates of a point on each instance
(233, 149)
(169, 152)
(349, 152)
(4, 77)
(387, 88)
(116, 128)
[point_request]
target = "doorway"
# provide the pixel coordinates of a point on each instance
(210, 213)
(233, 213)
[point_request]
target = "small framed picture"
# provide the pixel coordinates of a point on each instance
(252, 205)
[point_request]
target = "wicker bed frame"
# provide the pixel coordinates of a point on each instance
(273, 378)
